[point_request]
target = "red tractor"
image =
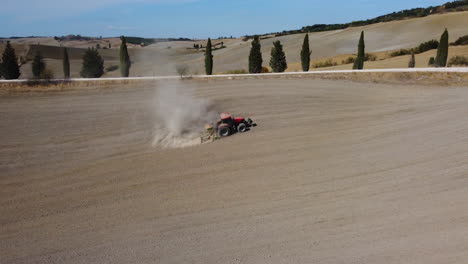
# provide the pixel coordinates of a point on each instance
(229, 125)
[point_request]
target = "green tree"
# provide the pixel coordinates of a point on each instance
(431, 62)
(412, 61)
(125, 62)
(66, 64)
(359, 62)
(305, 54)
(278, 58)
(10, 68)
(93, 64)
(38, 65)
(255, 56)
(208, 58)
(442, 51)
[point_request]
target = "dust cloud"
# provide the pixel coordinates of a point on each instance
(181, 116)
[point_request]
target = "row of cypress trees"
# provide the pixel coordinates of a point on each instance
(277, 62)
(278, 58)
(92, 67)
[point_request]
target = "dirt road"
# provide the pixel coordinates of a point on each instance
(336, 172)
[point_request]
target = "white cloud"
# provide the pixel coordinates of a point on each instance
(30, 10)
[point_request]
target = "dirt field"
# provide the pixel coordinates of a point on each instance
(336, 172)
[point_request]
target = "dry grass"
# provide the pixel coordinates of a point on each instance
(426, 78)
(159, 60)
(384, 62)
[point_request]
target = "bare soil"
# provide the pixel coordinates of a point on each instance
(336, 172)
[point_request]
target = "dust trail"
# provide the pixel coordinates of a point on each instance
(181, 116)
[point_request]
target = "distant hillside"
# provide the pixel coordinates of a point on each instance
(454, 6)
(130, 39)
(336, 47)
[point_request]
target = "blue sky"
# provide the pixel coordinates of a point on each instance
(184, 18)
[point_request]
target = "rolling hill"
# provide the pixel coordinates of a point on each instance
(161, 58)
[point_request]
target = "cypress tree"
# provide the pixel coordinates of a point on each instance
(93, 64)
(125, 62)
(412, 61)
(305, 54)
(10, 68)
(208, 59)
(66, 64)
(278, 58)
(359, 62)
(442, 51)
(255, 56)
(38, 65)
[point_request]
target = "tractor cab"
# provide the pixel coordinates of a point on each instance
(229, 125)
(226, 126)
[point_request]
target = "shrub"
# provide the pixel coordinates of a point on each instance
(93, 64)
(400, 52)
(370, 57)
(182, 70)
(431, 62)
(46, 74)
(349, 60)
(265, 70)
(352, 59)
(326, 63)
(458, 60)
(112, 68)
(423, 47)
(461, 41)
(242, 71)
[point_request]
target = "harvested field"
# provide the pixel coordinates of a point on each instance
(336, 172)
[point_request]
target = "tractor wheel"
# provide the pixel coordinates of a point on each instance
(241, 128)
(224, 131)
